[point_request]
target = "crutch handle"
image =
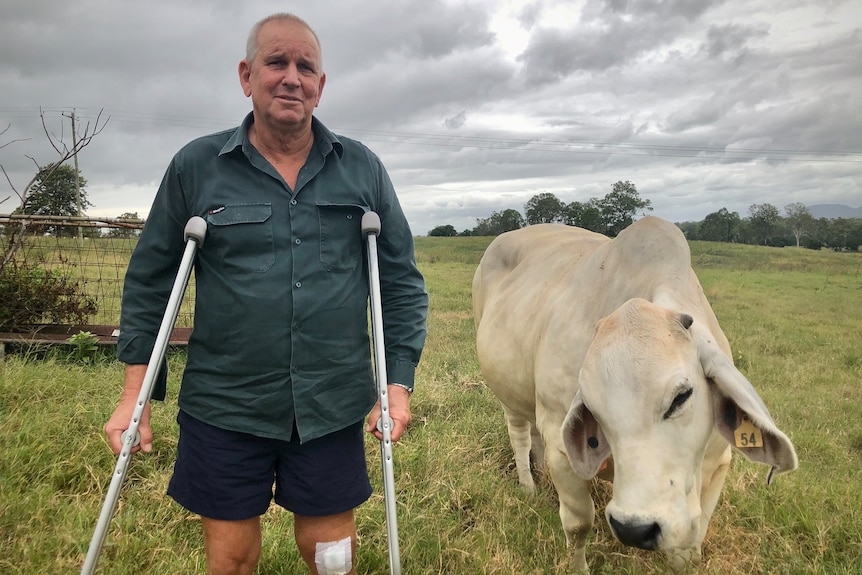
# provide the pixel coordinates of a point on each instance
(135, 441)
(370, 224)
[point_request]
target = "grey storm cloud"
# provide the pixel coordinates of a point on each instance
(702, 104)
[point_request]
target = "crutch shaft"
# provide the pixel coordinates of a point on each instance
(194, 234)
(371, 228)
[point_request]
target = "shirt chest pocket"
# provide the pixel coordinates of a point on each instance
(341, 238)
(240, 237)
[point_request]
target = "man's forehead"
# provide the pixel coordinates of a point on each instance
(281, 35)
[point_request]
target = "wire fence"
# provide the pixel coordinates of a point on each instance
(90, 253)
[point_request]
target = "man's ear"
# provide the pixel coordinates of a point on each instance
(320, 89)
(584, 439)
(244, 71)
(740, 414)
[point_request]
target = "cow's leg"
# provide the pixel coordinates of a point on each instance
(538, 449)
(519, 437)
(577, 512)
(713, 481)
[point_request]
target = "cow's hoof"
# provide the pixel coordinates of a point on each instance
(577, 563)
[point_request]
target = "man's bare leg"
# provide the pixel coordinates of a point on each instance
(322, 540)
(232, 547)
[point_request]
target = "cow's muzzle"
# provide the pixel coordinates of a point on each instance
(636, 534)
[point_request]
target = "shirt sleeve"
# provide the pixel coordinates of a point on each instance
(149, 278)
(403, 295)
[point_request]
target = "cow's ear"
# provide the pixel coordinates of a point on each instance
(584, 439)
(740, 414)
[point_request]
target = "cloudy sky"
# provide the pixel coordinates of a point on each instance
(475, 106)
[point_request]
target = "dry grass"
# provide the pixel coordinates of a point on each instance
(792, 317)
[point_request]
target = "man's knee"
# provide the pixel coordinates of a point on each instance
(232, 547)
(334, 557)
(327, 544)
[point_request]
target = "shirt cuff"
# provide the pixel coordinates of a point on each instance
(401, 371)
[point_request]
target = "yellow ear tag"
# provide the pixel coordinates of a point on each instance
(747, 435)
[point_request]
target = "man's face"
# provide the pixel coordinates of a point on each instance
(285, 79)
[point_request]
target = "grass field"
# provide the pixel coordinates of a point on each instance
(792, 316)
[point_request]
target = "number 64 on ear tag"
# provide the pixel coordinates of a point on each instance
(747, 435)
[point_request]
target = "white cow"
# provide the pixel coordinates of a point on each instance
(607, 358)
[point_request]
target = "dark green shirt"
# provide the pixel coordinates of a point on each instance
(281, 322)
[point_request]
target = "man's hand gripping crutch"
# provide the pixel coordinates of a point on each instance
(385, 431)
(194, 234)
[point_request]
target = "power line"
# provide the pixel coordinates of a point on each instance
(531, 145)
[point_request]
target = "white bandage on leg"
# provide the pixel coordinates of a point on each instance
(334, 557)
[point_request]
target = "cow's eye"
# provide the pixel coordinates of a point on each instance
(678, 402)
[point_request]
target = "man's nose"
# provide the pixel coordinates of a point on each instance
(291, 76)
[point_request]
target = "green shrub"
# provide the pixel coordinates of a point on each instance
(32, 294)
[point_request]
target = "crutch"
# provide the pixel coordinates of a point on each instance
(371, 229)
(194, 234)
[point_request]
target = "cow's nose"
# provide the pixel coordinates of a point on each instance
(642, 535)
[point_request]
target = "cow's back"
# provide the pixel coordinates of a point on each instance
(520, 272)
(516, 263)
(539, 291)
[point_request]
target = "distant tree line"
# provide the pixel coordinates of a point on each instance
(766, 226)
(608, 215)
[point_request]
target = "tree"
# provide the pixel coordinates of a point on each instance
(81, 141)
(720, 226)
(691, 230)
(763, 220)
(845, 234)
(544, 208)
(126, 227)
(498, 223)
(585, 215)
(619, 207)
(799, 220)
(54, 192)
(446, 231)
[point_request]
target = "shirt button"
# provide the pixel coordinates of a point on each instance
(298, 284)
(298, 241)
(292, 202)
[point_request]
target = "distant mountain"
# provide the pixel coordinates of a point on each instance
(832, 211)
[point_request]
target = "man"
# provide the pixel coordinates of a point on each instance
(278, 378)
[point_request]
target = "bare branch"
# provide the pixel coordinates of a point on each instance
(6, 129)
(10, 142)
(64, 153)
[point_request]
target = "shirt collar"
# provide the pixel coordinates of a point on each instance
(325, 140)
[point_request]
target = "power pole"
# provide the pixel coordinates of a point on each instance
(77, 182)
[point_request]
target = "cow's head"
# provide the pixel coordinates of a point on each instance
(654, 388)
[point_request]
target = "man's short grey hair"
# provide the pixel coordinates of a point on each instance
(251, 44)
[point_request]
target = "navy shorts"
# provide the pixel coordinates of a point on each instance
(229, 475)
